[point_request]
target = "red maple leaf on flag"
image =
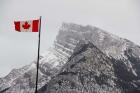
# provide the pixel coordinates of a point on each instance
(26, 25)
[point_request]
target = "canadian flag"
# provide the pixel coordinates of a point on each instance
(27, 26)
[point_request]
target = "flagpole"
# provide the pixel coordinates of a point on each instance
(37, 64)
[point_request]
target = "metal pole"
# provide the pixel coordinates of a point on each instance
(37, 65)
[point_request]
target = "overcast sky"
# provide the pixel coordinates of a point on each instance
(120, 17)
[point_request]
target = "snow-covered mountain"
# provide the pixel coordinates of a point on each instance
(23, 80)
(114, 65)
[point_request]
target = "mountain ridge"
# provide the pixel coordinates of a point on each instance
(123, 52)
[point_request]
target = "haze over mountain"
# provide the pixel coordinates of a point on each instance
(83, 59)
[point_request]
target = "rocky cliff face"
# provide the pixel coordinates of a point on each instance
(91, 71)
(84, 59)
(87, 71)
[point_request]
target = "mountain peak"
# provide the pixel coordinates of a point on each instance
(110, 44)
